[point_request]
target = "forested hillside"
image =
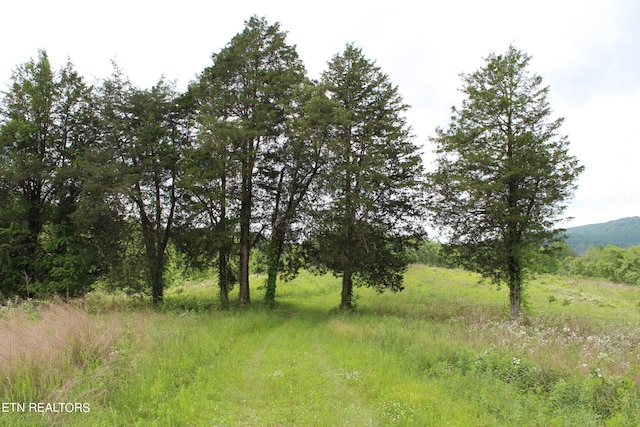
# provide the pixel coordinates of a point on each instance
(623, 232)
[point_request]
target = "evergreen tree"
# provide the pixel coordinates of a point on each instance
(31, 147)
(251, 85)
(146, 133)
(48, 127)
(208, 232)
(371, 206)
(288, 176)
(503, 172)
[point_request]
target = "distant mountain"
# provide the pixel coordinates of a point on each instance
(623, 232)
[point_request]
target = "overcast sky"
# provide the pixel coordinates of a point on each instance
(588, 52)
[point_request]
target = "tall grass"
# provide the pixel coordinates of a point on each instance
(48, 349)
(440, 353)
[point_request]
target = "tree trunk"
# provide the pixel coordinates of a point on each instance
(515, 299)
(513, 237)
(515, 286)
(156, 267)
(154, 256)
(272, 275)
(347, 274)
(275, 250)
(223, 277)
(347, 290)
(225, 250)
(245, 223)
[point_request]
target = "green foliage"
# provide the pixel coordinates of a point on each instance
(370, 199)
(623, 232)
(57, 232)
(145, 134)
(96, 182)
(611, 263)
(429, 253)
(249, 92)
(503, 172)
(550, 259)
(289, 176)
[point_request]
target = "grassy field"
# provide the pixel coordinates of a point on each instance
(442, 352)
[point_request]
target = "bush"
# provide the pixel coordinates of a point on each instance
(609, 263)
(428, 253)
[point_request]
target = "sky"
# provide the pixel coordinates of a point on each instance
(588, 53)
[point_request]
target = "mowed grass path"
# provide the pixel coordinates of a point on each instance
(287, 367)
(440, 353)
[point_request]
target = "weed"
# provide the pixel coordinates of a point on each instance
(54, 352)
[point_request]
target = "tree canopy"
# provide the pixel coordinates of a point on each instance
(372, 186)
(254, 154)
(57, 235)
(251, 87)
(503, 172)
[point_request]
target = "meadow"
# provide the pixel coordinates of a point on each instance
(442, 352)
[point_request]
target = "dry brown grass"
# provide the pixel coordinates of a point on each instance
(45, 348)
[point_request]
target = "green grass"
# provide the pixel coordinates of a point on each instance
(442, 352)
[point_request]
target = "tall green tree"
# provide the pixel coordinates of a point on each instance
(47, 127)
(31, 148)
(503, 174)
(146, 132)
(371, 205)
(288, 175)
(251, 84)
(210, 202)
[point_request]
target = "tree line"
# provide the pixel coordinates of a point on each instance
(252, 153)
(611, 263)
(104, 180)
